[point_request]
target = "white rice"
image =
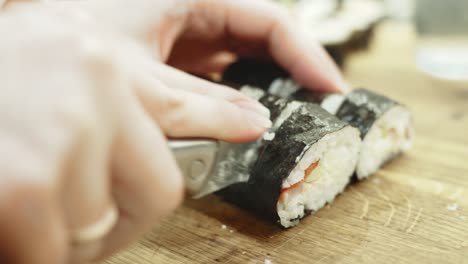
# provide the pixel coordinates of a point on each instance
(390, 135)
(252, 92)
(338, 154)
(269, 136)
(283, 87)
(333, 102)
(285, 114)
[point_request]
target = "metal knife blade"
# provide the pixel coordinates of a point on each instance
(209, 166)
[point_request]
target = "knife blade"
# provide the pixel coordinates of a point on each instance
(209, 165)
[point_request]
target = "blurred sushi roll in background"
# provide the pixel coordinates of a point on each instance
(305, 160)
(341, 26)
(385, 126)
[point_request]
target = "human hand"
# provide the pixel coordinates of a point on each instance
(85, 165)
(82, 167)
(204, 36)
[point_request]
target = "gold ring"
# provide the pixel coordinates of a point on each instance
(98, 230)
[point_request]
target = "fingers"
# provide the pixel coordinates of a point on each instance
(147, 184)
(146, 20)
(86, 192)
(49, 202)
(32, 229)
(193, 107)
(247, 27)
(250, 23)
(87, 202)
(305, 59)
(200, 57)
(187, 106)
(182, 113)
(216, 63)
(175, 78)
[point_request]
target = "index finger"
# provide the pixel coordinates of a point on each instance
(291, 47)
(247, 22)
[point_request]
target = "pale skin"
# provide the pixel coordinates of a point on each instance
(89, 93)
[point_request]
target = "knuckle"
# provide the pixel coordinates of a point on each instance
(173, 114)
(56, 136)
(172, 102)
(174, 126)
(78, 115)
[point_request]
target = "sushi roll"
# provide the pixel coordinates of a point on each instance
(385, 125)
(305, 161)
(341, 26)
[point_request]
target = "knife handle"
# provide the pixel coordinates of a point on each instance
(196, 159)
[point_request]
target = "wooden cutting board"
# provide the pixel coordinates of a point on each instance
(414, 210)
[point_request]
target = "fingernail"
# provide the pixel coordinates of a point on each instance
(254, 106)
(344, 86)
(256, 113)
(338, 80)
(258, 120)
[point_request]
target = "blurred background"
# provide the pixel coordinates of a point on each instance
(439, 29)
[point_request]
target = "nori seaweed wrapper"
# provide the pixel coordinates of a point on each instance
(309, 96)
(253, 72)
(275, 104)
(262, 75)
(303, 128)
(362, 108)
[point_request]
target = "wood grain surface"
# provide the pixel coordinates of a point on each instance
(414, 210)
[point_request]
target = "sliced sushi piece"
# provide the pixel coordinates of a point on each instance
(385, 125)
(308, 162)
(386, 128)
